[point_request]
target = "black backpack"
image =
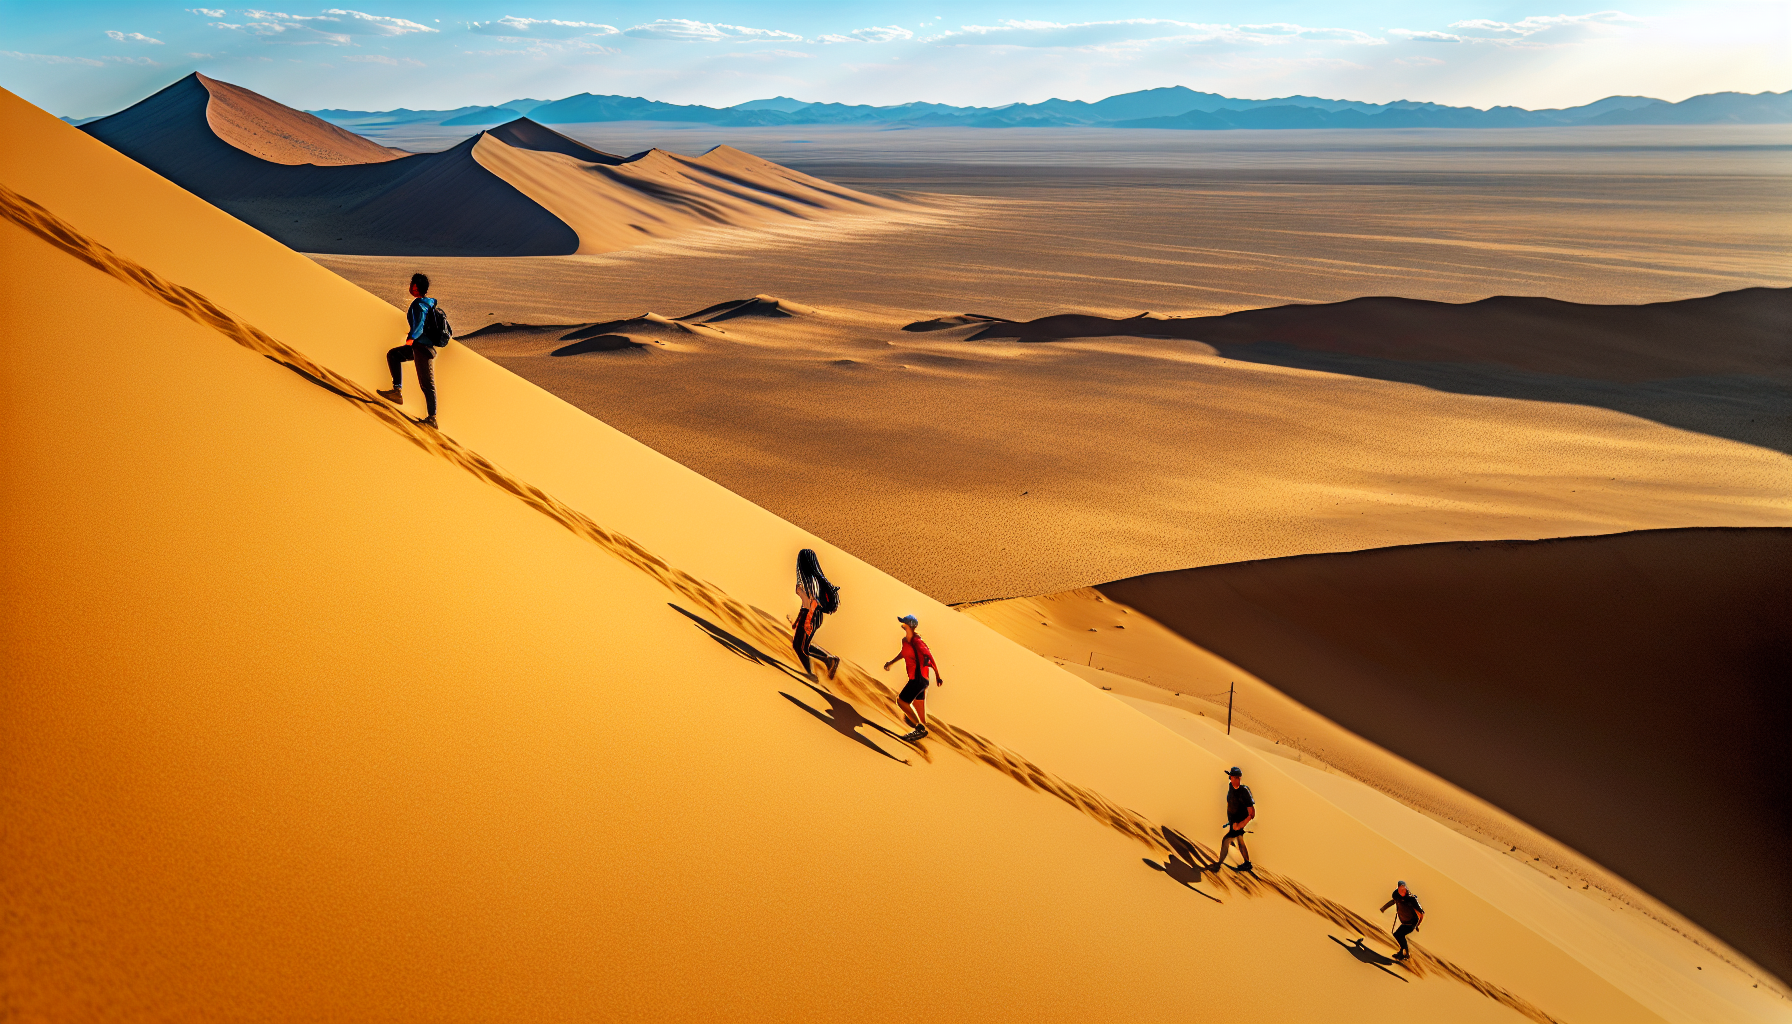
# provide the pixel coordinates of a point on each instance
(436, 330)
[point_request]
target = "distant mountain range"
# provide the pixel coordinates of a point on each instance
(1174, 107)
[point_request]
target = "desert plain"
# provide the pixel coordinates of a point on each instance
(1440, 481)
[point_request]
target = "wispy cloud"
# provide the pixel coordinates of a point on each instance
(357, 24)
(131, 37)
(206, 12)
(684, 31)
(1140, 30)
(539, 28)
(145, 61)
(1533, 32)
(375, 58)
(50, 58)
(874, 34)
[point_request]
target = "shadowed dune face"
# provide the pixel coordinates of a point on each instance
(520, 189)
(1721, 364)
(1625, 694)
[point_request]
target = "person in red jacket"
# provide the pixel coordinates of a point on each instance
(918, 659)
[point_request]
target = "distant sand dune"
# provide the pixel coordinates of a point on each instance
(516, 190)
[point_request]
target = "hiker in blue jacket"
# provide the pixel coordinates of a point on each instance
(419, 347)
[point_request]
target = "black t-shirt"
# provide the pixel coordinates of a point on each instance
(1407, 907)
(1238, 801)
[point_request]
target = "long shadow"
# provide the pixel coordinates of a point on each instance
(739, 646)
(1368, 956)
(844, 719)
(1182, 872)
(1738, 407)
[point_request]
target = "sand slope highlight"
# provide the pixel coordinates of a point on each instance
(517, 190)
(410, 725)
(1612, 691)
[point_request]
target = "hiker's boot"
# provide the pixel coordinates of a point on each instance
(833, 662)
(430, 422)
(1246, 866)
(395, 396)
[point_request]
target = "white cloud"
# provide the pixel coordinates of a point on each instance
(375, 58)
(765, 55)
(1140, 30)
(208, 12)
(132, 60)
(50, 58)
(1426, 36)
(1530, 33)
(874, 34)
(357, 24)
(135, 37)
(539, 28)
(682, 30)
(200, 56)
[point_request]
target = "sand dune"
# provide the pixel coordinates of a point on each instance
(1741, 332)
(1047, 467)
(516, 190)
(1625, 694)
(386, 722)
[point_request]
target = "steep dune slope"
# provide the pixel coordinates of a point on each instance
(1612, 691)
(381, 722)
(517, 190)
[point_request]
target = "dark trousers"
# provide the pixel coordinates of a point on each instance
(425, 358)
(1401, 933)
(802, 641)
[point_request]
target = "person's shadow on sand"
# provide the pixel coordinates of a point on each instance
(1366, 955)
(844, 719)
(1182, 872)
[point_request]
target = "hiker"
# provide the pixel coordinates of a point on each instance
(1411, 914)
(1241, 807)
(428, 332)
(918, 659)
(820, 599)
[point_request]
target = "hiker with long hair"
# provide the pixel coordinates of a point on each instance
(429, 331)
(820, 599)
(917, 658)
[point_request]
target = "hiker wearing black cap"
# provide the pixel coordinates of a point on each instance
(918, 659)
(1241, 807)
(429, 331)
(1410, 913)
(820, 599)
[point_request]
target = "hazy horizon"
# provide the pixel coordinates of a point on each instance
(95, 58)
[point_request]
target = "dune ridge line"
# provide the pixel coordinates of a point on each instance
(756, 622)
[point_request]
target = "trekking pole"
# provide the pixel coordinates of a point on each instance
(1230, 689)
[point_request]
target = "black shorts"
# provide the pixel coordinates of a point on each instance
(914, 691)
(1237, 831)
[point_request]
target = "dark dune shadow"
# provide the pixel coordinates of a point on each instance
(1739, 407)
(1718, 365)
(844, 719)
(1368, 956)
(601, 343)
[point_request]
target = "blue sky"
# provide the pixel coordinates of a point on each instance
(82, 58)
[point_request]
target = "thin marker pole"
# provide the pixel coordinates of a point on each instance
(1230, 689)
